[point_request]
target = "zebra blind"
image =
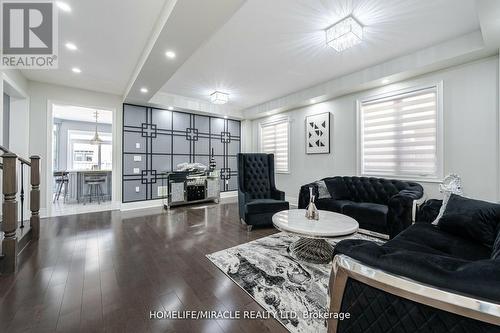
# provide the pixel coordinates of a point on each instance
(274, 140)
(399, 135)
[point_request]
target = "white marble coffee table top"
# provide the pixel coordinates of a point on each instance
(329, 225)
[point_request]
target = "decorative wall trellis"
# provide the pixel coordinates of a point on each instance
(156, 140)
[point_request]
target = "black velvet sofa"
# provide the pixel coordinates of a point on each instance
(381, 205)
(258, 198)
(427, 279)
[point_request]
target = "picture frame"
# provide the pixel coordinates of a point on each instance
(318, 133)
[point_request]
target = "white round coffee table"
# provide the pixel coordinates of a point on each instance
(312, 245)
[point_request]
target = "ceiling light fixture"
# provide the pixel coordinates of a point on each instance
(218, 97)
(76, 70)
(225, 117)
(385, 81)
(63, 6)
(170, 54)
(96, 139)
(344, 34)
(144, 90)
(71, 46)
(170, 108)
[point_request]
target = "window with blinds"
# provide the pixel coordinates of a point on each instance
(399, 135)
(274, 140)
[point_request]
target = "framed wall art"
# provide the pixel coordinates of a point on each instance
(318, 133)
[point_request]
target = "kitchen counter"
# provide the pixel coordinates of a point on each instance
(78, 191)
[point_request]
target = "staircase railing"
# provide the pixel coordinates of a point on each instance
(12, 243)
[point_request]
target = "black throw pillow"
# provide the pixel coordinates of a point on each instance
(474, 219)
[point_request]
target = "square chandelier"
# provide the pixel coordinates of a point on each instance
(344, 34)
(219, 97)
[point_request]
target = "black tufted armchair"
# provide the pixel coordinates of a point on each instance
(258, 198)
(381, 205)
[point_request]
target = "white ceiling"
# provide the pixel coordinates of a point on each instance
(272, 48)
(110, 36)
(77, 113)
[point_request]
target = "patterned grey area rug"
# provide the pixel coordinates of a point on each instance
(281, 284)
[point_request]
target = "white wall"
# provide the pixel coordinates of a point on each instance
(471, 132)
(42, 95)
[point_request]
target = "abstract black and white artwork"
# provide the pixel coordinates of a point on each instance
(279, 282)
(318, 133)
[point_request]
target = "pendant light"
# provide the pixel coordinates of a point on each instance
(96, 139)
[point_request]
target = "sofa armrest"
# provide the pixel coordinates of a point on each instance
(402, 209)
(242, 202)
(345, 268)
(304, 194)
(429, 210)
(475, 278)
(277, 194)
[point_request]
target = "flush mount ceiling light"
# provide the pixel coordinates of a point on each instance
(63, 6)
(144, 90)
(170, 54)
(71, 46)
(219, 97)
(76, 70)
(344, 34)
(170, 108)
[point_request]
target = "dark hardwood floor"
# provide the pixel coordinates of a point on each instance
(106, 271)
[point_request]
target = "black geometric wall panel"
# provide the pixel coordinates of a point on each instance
(156, 140)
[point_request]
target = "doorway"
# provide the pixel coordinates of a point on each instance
(81, 177)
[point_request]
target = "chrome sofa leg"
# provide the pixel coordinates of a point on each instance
(249, 227)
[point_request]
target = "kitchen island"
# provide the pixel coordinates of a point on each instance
(78, 190)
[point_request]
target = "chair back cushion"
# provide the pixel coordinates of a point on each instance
(255, 170)
(366, 189)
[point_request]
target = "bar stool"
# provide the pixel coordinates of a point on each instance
(94, 188)
(62, 180)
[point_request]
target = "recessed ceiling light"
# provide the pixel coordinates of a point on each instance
(76, 70)
(313, 100)
(344, 34)
(170, 108)
(63, 6)
(225, 117)
(218, 97)
(384, 81)
(170, 54)
(71, 46)
(144, 90)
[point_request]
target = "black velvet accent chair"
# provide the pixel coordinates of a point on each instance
(258, 198)
(429, 278)
(381, 205)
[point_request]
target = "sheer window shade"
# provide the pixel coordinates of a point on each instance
(399, 135)
(274, 140)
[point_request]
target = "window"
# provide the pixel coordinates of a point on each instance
(274, 140)
(399, 135)
(82, 155)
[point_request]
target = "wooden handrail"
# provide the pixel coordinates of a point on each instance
(22, 160)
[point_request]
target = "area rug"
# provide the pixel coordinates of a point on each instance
(291, 291)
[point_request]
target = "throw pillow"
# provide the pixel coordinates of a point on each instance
(323, 192)
(474, 219)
